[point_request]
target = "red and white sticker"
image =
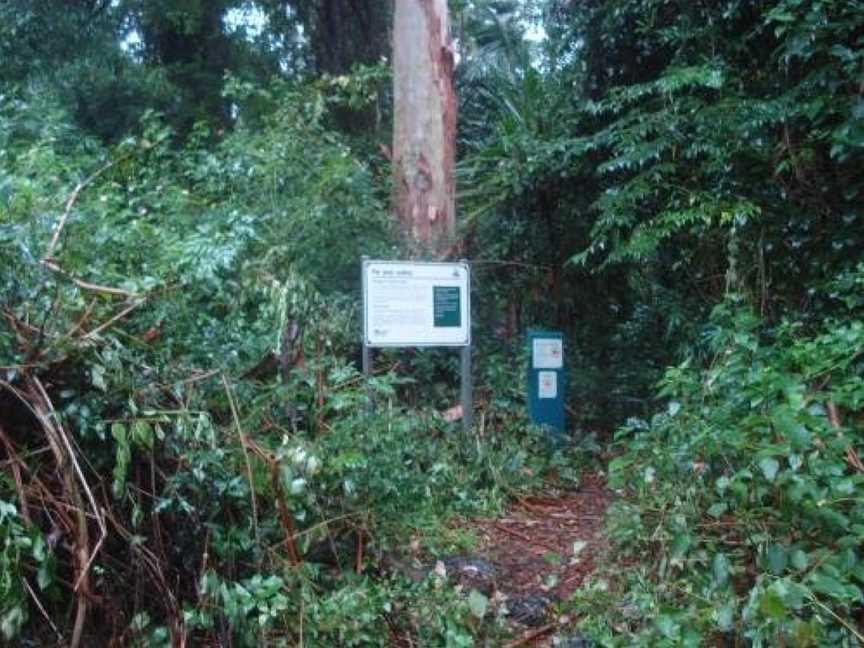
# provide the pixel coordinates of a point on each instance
(548, 353)
(547, 384)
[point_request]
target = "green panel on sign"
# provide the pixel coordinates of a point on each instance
(446, 306)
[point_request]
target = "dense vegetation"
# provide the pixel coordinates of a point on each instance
(186, 189)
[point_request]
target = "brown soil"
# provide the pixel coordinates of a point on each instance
(532, 546)
(546, 545)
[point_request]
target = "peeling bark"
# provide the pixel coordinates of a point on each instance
(424, 129)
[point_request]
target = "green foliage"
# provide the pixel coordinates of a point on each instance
(157, 318)
(656, 155)
(743, 498)
(20, 547)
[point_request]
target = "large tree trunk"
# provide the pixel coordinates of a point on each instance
(424, 129)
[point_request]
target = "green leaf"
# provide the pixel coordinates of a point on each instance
(769, 467)
(720, 569)
(680, 545)
(477, 603)
(799, 560)
(118, 431)
(806, 633)
(771, 605)
(667, 626)
(142, 434)
(97, 377)
(724, 617)
(578, 546)
(824, 584)
(717, 509)
(777, 558)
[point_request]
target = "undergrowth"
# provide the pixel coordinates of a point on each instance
(191, 456)
(741, 516)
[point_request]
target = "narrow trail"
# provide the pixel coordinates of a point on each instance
(547, 544)
(540, 553)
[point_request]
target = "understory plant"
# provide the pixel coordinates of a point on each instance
(191, 454)
(742, 509)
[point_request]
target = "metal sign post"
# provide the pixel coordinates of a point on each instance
(419, 304)
(466, 388)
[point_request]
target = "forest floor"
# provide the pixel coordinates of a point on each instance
(540, 552)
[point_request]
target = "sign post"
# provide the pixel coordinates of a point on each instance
(546, 380)
(419, 304)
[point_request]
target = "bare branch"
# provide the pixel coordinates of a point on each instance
(70, 202)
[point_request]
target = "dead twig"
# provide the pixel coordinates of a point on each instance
(836, 422)
(86, 285)
(41, 609)
(358, 563)
(70, 202)
(534, 634)
(833, 415)
(515, 534)
(16, 465)
(285, 518)
(853, 459)
(110, 322)
(242, 438)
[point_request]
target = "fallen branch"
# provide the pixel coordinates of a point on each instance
(86, 285)
(534, 634)
(16, 465)
(154, 565)
(109, 323)
(45, 414)
(515, 534)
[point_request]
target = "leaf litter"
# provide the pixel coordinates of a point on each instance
(543, 549)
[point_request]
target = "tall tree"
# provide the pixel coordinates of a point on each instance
(189, 41)
(424, 128)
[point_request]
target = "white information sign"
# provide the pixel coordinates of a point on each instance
(548, 384)
(548, 353)
(407, 303)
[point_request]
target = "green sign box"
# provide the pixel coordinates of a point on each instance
(446, 307)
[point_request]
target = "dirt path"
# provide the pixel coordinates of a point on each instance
(542, 550)
(547, 544)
